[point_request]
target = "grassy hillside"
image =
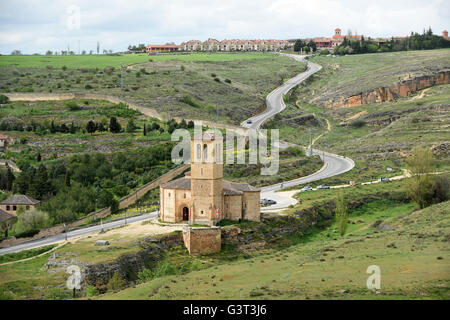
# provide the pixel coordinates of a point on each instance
(376, 136)
(410, 248)
(347, 75)
(187, 86)
(101, 61)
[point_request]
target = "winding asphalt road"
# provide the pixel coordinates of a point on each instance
(75, 233)
(333, 165)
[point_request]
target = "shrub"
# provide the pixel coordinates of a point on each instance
(91, 291)
(217, 79)
(88, 86)
(186, 98)
(108, 70)
(182, 68)
(213, 75)
(228, 81)
(115, 283)
(163, 268)
(3, 99)
(296, 151)
(357, 123)
(72, 105)
(64, 68)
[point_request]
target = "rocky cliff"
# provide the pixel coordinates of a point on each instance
(394, 91)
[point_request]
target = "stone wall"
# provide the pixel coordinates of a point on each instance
(392, 92)
(202, 240)
(252, 206)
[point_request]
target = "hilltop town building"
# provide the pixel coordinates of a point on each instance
(202, 196)
(162, 48)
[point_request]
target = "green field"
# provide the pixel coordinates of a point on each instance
(101, 61)
(187, 86)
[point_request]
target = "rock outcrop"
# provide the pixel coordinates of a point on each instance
(388, 93)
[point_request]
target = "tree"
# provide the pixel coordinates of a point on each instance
(298, 45)
(91, 127)
(341, 213)
(38, 158)
(67, 178)
(130, 126)
(9, 179)
(114, 126)
(16, 53)
(312, 45)
(49, 53)
(419, 165)
(98, 47)
(32, 219)
(144, 132)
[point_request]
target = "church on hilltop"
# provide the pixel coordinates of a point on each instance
(202, 196)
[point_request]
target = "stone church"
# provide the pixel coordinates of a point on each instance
(202, 196)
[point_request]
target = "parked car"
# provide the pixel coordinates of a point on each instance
(267, 201)
(323, 186)
(249, 121)
(383, 179)
(352, 182)
(306, 188)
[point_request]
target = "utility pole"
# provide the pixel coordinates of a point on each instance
(121, 76)
(217, 105)
(78, 46)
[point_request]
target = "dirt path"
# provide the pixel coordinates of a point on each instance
(359, 114)
(421, 95)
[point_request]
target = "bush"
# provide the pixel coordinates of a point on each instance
(357, 123)
(228, 81)
(91, 291)
(217, 79)
(115, 283)
(213, 75)
(163, 268)
(72, 105)
(186, 98)
(108, 70)
(88, 86)
(296, 151)
(3, 99)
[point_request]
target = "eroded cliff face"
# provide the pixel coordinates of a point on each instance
(388, 93)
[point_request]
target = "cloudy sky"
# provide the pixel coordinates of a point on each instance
(39, 25)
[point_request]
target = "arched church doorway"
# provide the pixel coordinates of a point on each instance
(185, 214)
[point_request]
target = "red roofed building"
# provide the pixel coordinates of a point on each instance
(445, 34)
(162, 48)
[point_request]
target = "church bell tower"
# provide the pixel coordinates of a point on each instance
(207, 177)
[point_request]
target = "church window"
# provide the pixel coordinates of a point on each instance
(205, 151)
